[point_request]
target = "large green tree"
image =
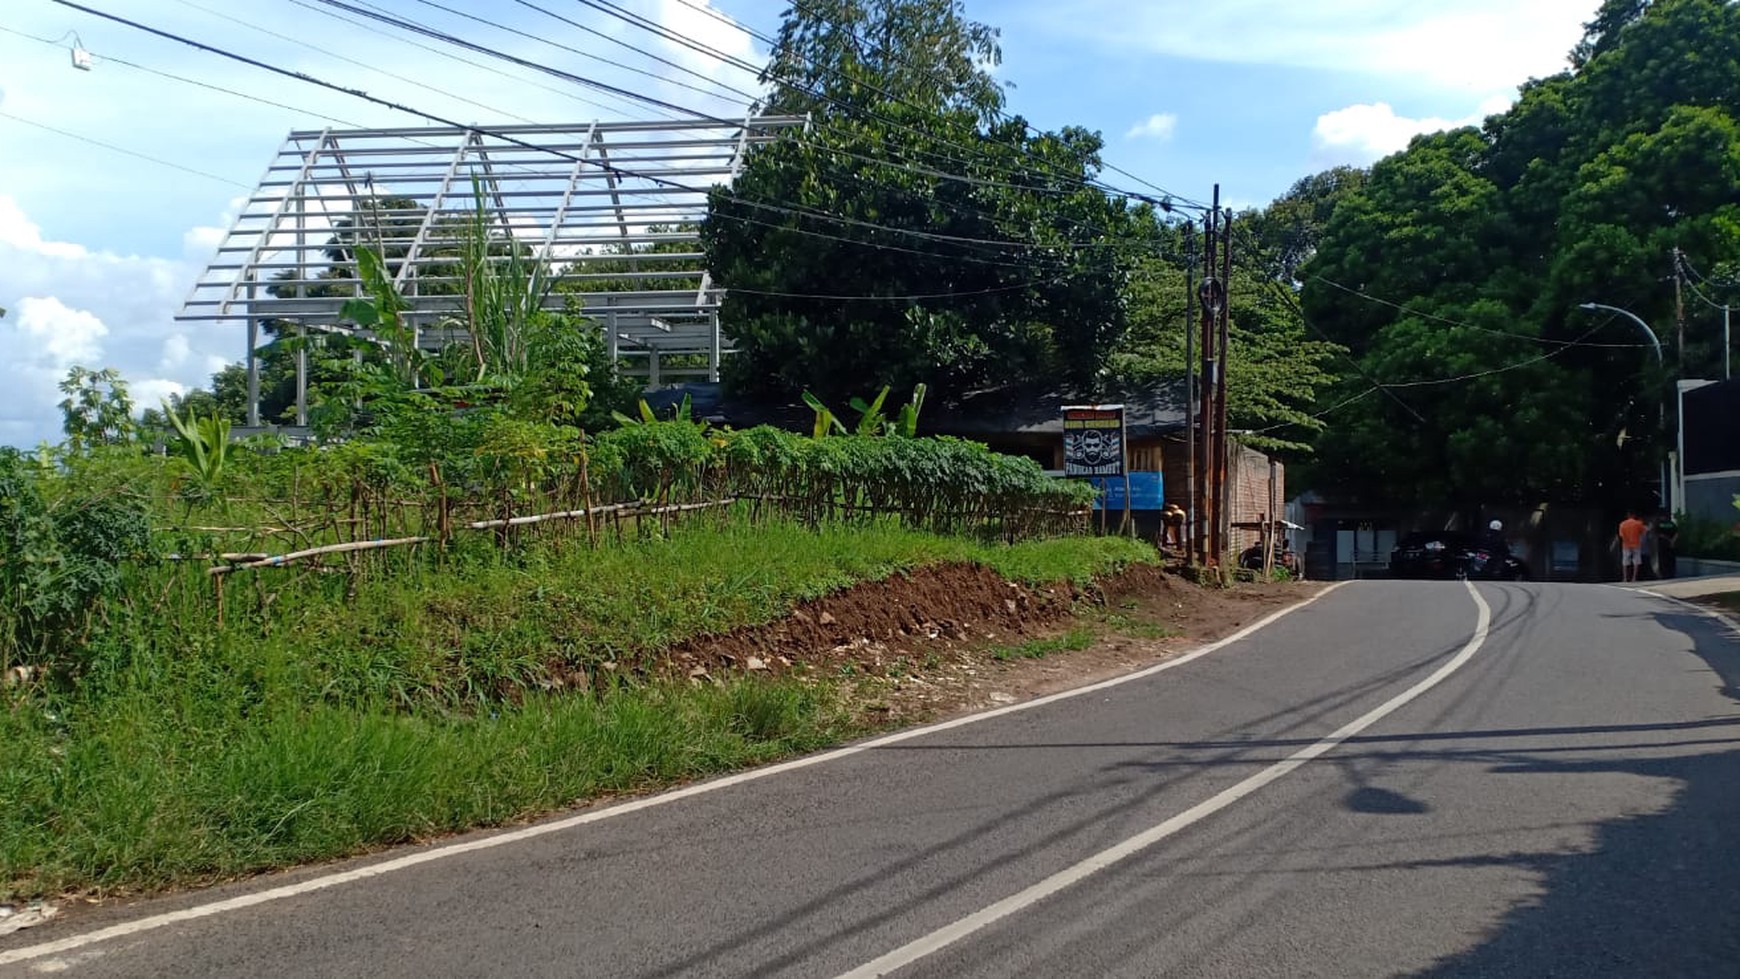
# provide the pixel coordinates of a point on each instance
(1457, 272)
(914, 233)
(850, 53)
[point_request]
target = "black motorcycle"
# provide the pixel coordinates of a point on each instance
(1485, 564)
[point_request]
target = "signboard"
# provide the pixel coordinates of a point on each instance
(1145, 492)
(1093, 440)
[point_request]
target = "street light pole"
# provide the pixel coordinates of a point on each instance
(1654, 340)
(1655, 344)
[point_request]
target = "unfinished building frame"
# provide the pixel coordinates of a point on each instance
(612, 207)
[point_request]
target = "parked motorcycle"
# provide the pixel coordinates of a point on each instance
(1483, 564)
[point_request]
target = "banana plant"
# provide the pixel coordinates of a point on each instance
(203, 442)
(905, 423)
(870, 420)
(382, 312)
(684, 412)
(826, 423)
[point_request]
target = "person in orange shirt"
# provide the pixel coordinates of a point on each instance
(1631, 544)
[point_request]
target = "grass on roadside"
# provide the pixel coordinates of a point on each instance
(313, 724)
(1076, 638)
(128, 798)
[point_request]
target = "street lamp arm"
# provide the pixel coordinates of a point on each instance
(1654, 341)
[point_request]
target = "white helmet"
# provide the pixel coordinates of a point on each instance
(1495, 525)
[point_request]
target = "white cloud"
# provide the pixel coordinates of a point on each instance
(176, 350)
(152, 392)
(708, 27)
(53, 335)
(1471, 44)
(1161, 126)
(19, 232)
(1360, 134)
(43, 337)
(201, 241)
(70, 304)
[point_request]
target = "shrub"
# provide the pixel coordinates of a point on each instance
(58, 562)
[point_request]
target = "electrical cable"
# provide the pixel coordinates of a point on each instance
(606, 167)
(422, 29)
(659, 30)
(747, 98)
(1496, 370)
(1470, 326)
(1318, 416)
(414, 27)
(914, 297)
(110, 59)
(334, 54)
(122, 149)
(1167, 200)
(1692, 273)
(405, 24)
(516, 79)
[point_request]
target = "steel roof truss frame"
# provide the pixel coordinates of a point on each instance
(328, 176)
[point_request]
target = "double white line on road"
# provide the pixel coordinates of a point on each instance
(417, 858)
(1069, 876)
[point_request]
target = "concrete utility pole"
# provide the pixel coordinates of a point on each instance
(1680, 309)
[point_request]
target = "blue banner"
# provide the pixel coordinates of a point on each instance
(1146, 491)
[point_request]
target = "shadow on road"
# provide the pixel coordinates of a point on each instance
(1659, 895)
(1655, 897)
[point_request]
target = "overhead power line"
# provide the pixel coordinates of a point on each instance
(743, 98)
(1693, 277)
(611, 168)
(316, 48)
(414, 27)
(1475, 375)
(1470, 326)
(923, 137)
(122, 149)
(111, 59)
(450, 56)
(425, 30)
(910, 297)
(385, 16)
(1168, 199)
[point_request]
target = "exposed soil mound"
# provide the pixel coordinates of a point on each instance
(868, 626)
(953, 638)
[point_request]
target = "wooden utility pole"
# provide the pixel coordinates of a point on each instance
(1211, 292)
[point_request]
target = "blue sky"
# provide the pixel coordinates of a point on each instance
(97, 248)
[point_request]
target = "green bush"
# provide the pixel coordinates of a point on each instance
(58, 560)
(1706, 538)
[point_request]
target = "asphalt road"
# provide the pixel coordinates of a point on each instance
(1558, 794)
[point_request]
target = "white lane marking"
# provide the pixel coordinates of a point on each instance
(949, 934)
(544, 829)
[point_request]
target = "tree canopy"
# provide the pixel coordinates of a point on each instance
(914, 234)
(1456, 273)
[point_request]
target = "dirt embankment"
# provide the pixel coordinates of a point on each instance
(947, 639)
